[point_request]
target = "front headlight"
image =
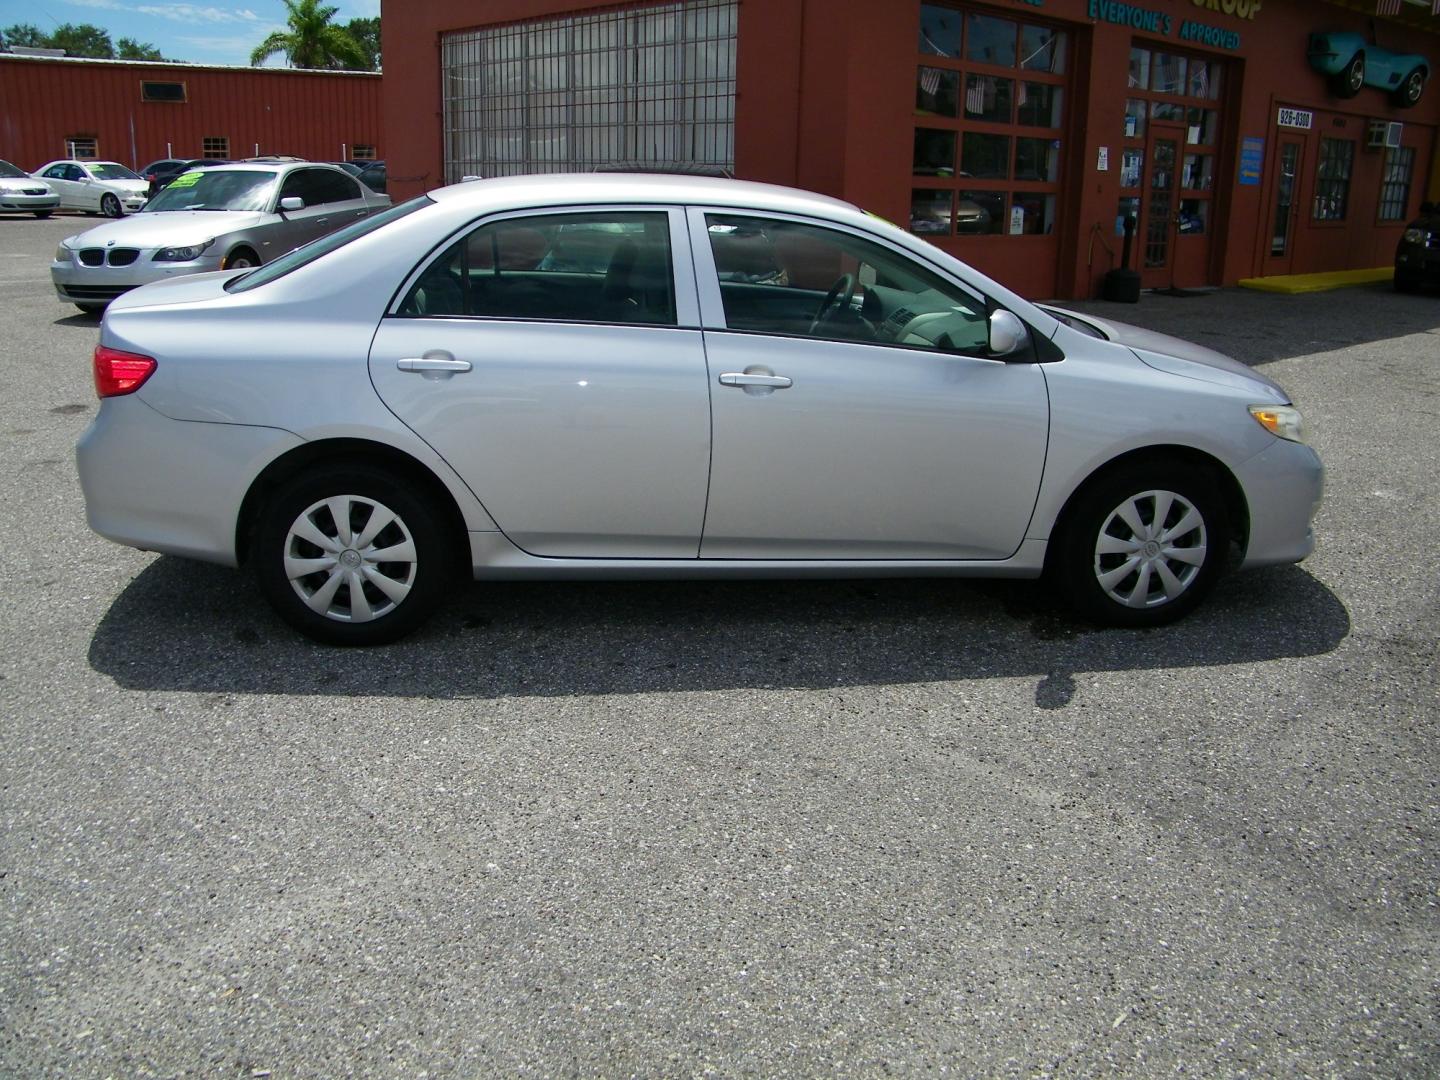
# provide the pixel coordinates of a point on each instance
(183, 254)
(1283, 421)
(1414, 236)
(62, 254)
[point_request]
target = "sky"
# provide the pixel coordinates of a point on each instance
(199, 32)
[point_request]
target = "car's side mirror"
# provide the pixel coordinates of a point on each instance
(292, 202)
(1007, 333)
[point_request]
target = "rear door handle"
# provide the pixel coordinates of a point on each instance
(744, 378)
(433, 367)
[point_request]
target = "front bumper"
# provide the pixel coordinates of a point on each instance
(76, 283)
(23, 201)
(1418, 261)
(1283, 486)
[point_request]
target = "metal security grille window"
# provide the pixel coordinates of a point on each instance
(215, 146)
(1332, 179)
(1395, 187)
(989, 119)
(645, 86)
(84, 147)
(362, 152)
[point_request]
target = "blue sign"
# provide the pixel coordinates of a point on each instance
(1252, 159)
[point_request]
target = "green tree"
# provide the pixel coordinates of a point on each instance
(130, 49)
(366, 33)
(312, 41)
(83, 40)
(25, 36)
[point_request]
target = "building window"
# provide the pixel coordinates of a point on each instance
(645, 86)
(1395, 186)
(989, 113)
(215, 146)
(162, 91)
(362, 152)
(1332, 180)
(85, 147)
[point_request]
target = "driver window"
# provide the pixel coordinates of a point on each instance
(794, 279)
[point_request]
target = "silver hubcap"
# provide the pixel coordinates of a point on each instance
(1150, 549)
(350, 559)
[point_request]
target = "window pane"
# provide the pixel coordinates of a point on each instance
(989, 40)
(936, 91)
(1139, 69)
(980, 212)
(988, 98)
(825, 276)
(1199, 174)
(1202, 126)
(1204, 80)
(1167, 112)
(934, 152)
(1168, 74)
(1039, 105)
(986, 156)
(1037, 159)
(1395, 187)
(930, 211)
(1194, 217)
(1332, 182)
(1037, 213)
(610, 268)
(1132, 160)
(1134, 118)
(1043, 49)
(939, 31)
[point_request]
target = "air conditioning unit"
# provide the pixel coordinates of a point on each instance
(1384, 134)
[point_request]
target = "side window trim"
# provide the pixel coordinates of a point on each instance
(687, 306)
(712, 304)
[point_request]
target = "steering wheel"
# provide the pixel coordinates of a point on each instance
(838, 298)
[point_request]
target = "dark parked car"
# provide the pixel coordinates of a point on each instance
(372, 175)
(159, 173)
(1417, 258)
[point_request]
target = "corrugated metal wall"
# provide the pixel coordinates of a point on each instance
(43, 102)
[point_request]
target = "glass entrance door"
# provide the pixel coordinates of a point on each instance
(1286, 203)
(1159, 192)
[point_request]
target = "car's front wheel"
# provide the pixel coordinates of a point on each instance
(110, 206)
(1406, 282)
(1410, 90)
(42, 214)
(1142, 545)
(352, 555)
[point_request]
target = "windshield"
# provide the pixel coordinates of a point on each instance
(8, 170)
(207, 190)
(316, 248)
(108, 170)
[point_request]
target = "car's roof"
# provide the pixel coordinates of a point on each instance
(277, 167)
(568, 188)
(82, 161)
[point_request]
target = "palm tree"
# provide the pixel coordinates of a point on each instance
(312, 41)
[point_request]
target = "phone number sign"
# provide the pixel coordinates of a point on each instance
(1295, 118)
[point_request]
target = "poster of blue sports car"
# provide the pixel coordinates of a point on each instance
(1353, 63)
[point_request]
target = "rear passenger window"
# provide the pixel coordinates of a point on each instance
(597, 267)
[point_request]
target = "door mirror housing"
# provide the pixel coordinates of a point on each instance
(1007, 333)
(292, 202)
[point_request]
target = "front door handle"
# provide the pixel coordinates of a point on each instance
(437, 366)
(744, 378)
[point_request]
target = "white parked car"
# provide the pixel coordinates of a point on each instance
(95, 187)
(22, 193)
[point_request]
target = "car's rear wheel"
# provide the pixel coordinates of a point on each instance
(1410, 90)
(110, 206)
(1140, 546)
(1351, 77)
(42, 214)
(352, 555)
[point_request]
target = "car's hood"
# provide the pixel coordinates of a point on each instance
(166, 228)
(1178, 356)
(15, 183)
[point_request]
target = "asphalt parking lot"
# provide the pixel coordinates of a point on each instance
(774, 829)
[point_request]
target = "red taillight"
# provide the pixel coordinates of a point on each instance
(118, 373)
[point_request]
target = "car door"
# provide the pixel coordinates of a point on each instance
(555, 360)
(857, 413)
(66, 179)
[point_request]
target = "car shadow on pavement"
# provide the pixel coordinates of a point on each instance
(80, 318)
(186, 626)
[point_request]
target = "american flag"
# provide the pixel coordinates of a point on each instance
(1388, 7)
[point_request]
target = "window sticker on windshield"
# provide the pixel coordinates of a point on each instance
(189, 179)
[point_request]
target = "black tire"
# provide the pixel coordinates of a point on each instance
(110, 206)
(1410, 90)
(241, 259)
(1077, 563)
(92, 309)
(416, 583)
(1348, 82)
(1406, 282)
(42, 214)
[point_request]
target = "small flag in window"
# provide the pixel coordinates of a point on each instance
(1388, 7)
(930, 81)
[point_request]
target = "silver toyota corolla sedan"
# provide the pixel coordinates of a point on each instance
(625, 376)
(225, 217)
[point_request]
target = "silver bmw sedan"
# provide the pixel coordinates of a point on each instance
(647, 376)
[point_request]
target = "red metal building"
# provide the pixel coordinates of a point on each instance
(135, 112)
(1016, 133)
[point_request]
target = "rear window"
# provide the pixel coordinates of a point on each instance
(303, 256)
